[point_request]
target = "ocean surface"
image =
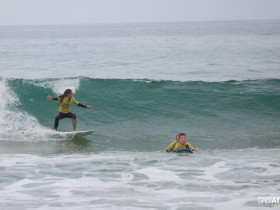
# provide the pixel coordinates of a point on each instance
(219, 82)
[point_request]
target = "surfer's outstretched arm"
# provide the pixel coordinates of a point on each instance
(52, 98)
(81, 105)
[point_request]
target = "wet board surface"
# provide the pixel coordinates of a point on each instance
(76, 133)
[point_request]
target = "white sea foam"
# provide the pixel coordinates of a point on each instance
(16, 124)
(60, 85)
(137, 180)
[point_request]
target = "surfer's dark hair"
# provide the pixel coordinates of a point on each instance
(66, 92)
(181, 134)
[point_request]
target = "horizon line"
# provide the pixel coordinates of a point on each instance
(141, 22)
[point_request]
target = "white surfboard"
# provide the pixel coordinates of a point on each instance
(75, 133)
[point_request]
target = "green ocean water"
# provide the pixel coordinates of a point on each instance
(142, 115)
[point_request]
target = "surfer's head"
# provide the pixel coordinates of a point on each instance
(182, 138)
(68, 93)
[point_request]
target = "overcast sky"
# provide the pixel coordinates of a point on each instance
(26, 12)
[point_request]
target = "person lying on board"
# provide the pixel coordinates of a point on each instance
(66, 99)
(171, 146)
(183, 144)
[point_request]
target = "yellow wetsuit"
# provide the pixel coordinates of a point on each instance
(65, 105)
(179, 146)
(64, 110)
(171, 147)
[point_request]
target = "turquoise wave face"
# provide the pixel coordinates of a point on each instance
(146, 115)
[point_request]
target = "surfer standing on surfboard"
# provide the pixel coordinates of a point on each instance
(66, 99)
